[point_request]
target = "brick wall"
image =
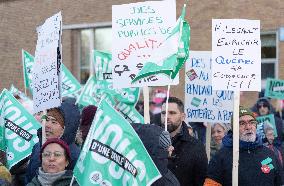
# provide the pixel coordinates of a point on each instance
(19, 19)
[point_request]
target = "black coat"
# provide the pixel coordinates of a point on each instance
(250, 167)
(189, 160)
(149, 135)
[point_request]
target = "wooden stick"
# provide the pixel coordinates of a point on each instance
(167, 107)
(208, 140)
(236, 138)
(146, 105)
(43, 127)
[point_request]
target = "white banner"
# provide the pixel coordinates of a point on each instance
(236, 55)
(202, 104)
(137, 31)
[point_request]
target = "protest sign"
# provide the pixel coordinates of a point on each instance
(171, 54)
(104, 81)
(28, 61)
(70, 84)
(265, 120)
(137, 31)
(236, 55)
(274, 88)
(47, 67)
(202, 104)
(113, 154)
(20, 129)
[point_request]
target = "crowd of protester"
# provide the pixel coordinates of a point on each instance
(179, 153)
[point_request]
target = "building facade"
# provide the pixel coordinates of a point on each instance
(87, 25)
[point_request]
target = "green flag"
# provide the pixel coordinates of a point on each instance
(20, 129)
(88, 96)
(28, 61)
(274, 88)
(113, 154)
(124, 100)
(2, 126)
(173, 52)
(104, 85)
(25, 100)
(130, 113)
(70, 84)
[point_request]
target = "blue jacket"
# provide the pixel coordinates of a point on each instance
(254, 161)
(71, 116)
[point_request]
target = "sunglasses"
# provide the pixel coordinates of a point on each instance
(262, 105)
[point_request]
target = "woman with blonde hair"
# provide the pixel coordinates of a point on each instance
(219, 130)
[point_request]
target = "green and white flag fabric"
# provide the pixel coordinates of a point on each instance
(104, 85)
(20, 129)
(124, 100)
(16, 91)
(130, 113)
(25, 100)
(28, 61)
(113, 154)
(88, 96)
(172, 54)
(70, 84)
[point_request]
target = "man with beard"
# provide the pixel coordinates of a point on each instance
(188, 160)
(257, 164)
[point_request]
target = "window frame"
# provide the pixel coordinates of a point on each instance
(274, 61)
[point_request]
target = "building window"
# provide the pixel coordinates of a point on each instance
(269, 61)
(94, 38)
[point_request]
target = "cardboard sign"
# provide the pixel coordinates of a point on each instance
(47, 67)
(202, 103)
(236, 55)
(70, 84)
(274, 88)
(137, 31)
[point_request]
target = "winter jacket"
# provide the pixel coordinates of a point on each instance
(64, 180)
(189, 160)
(278, 121)
(149, 135)
(71, 123)
(257, 164)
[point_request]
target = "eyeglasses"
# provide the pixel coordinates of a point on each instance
(262, 105)
(251, 122)
(56, 154)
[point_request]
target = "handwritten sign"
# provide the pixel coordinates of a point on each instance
(236, 55)
(202, 104)
(46, 71)
(137, 31)
(274, 88)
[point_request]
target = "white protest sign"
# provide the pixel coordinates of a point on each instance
(236, 55)
(137, 31)
(202, 104)
(46, 71)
